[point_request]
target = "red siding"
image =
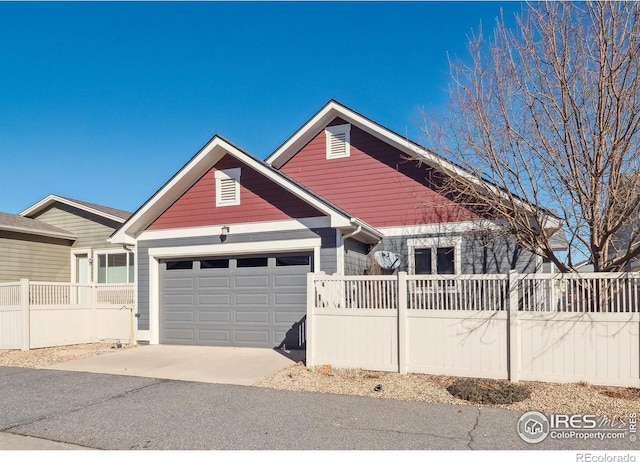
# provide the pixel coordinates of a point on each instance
(260, 200)
(375, 184)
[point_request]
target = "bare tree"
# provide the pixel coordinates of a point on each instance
(547, 113)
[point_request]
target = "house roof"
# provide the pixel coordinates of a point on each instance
(20, 224)
(333, 109)
(111, 213)
(216, 148)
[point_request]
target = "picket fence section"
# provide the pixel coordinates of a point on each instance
(550, 327)
(44, 314)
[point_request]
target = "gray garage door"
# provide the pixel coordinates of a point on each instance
(252, 301)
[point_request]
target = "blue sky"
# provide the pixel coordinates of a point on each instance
(104, 102)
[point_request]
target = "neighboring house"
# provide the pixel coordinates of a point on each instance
(223, 248)
(64, 240)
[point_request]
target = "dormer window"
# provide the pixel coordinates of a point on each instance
(227, 187)
(338, 141)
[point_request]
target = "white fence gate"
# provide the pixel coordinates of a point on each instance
(44, 314)
(549, 327)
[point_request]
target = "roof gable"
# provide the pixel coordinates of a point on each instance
(334, 110)
(20, 224)
(198, 166)
(110, 213)
(259, 200)
(376, 182)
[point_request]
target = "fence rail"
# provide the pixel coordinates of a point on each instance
(40, 314)
(533, 326)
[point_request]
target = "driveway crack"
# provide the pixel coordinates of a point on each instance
(475, 426)
(88, 405)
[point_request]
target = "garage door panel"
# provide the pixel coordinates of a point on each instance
(214, 316)
(252, 301)
(251, 336)
(214, 282)
(294, 300)
(257, 300)
(223, 300)
(179, 316)
(252, 317)
(179, 334)
(290, 280)
(179, 283)
(180, 300)
(214, 334)
(287, 317)
(252, 281)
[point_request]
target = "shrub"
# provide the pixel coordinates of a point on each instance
(486, 391)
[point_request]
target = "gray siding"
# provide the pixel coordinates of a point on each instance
(356, 258)
(327, 256)
(481, 253)
(34, 257)
(92, 230)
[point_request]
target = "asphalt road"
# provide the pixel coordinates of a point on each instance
(112, 412)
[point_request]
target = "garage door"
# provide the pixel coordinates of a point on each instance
(251, 301)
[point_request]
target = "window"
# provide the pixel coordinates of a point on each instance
(338, 141)
(434, 255)
(252, 262)
(115, 267)
(214, 264)
(295, 260)
(179, 265)
(227, 187)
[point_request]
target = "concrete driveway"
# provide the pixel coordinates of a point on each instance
(236, 366)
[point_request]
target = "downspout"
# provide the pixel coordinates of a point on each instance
(347, 236)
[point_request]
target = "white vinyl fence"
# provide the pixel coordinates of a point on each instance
(44, 314)
(547, 327)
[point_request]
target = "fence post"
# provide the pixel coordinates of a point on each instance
(403, 341)
(513, 329)
(25, 306)
(311, 304)
(94, 312)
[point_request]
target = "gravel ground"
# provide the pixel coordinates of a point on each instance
(572, 398)
(42, 357)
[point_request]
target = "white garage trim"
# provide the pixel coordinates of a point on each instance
(214, 250)
(237, 228)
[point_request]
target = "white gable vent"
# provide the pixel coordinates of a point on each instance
(227, 187)
(338, 141)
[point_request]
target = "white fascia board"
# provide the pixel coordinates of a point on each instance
(236, 228)
(236, 248)
(440, 228)
(52, 198)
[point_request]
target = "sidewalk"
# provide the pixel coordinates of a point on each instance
(9, 441)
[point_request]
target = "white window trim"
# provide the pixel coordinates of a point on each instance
(229, 174)
(131, 257)
(336, 130)
(433, 243)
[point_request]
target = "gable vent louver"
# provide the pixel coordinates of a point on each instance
(227, 187)
(227, 190)
(338, 141)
